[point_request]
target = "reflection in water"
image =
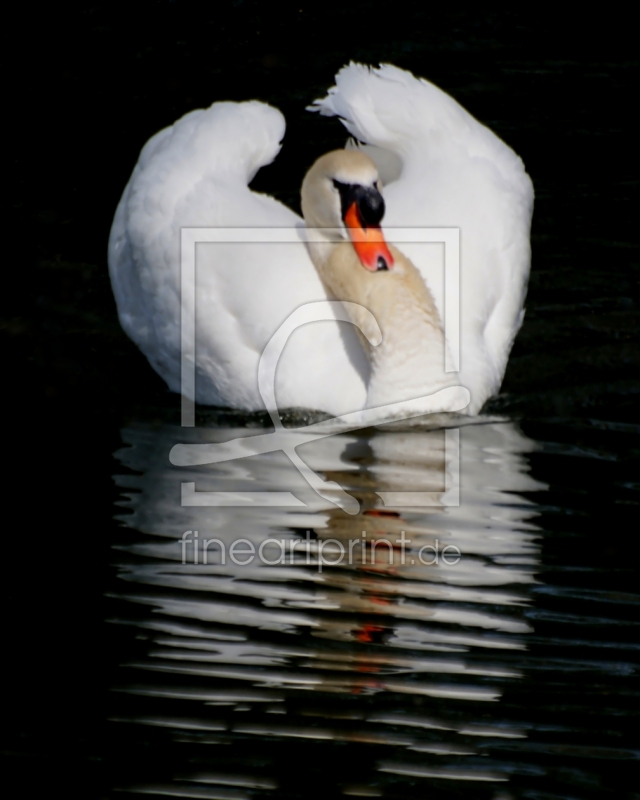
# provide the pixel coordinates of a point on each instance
(393, 630)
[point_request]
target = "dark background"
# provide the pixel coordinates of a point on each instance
(86, 89)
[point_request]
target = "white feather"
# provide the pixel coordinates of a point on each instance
(457, 173)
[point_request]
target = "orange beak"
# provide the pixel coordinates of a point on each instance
(368, 242)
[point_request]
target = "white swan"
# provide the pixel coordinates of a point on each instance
(441, 168)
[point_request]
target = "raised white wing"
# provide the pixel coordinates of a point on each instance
(196, 174)
(445, 169)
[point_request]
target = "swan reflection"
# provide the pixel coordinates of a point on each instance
(362, 628)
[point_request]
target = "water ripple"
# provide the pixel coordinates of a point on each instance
(417, 665)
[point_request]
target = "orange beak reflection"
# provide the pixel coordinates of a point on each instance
(368, 242)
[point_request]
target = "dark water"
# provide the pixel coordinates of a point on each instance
(509, 674)
(505, 673)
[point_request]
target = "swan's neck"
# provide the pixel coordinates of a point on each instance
(321, 245)
(409, 362)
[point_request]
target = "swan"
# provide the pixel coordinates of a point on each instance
(439, 166)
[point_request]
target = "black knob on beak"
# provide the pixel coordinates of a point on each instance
(368, 200)
(370, 206)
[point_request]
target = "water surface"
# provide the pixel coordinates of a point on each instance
(402, 670)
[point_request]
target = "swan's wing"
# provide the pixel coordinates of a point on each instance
(445, 169)
(196, 174)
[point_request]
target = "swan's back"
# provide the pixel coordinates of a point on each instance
(448, 170)
(196, 174)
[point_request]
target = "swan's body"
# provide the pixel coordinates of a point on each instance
(454, 173)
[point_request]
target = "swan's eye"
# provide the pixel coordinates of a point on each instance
(339, 186)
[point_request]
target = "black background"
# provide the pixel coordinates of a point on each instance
(86, 88)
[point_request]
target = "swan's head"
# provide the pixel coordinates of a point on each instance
(342, 191)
